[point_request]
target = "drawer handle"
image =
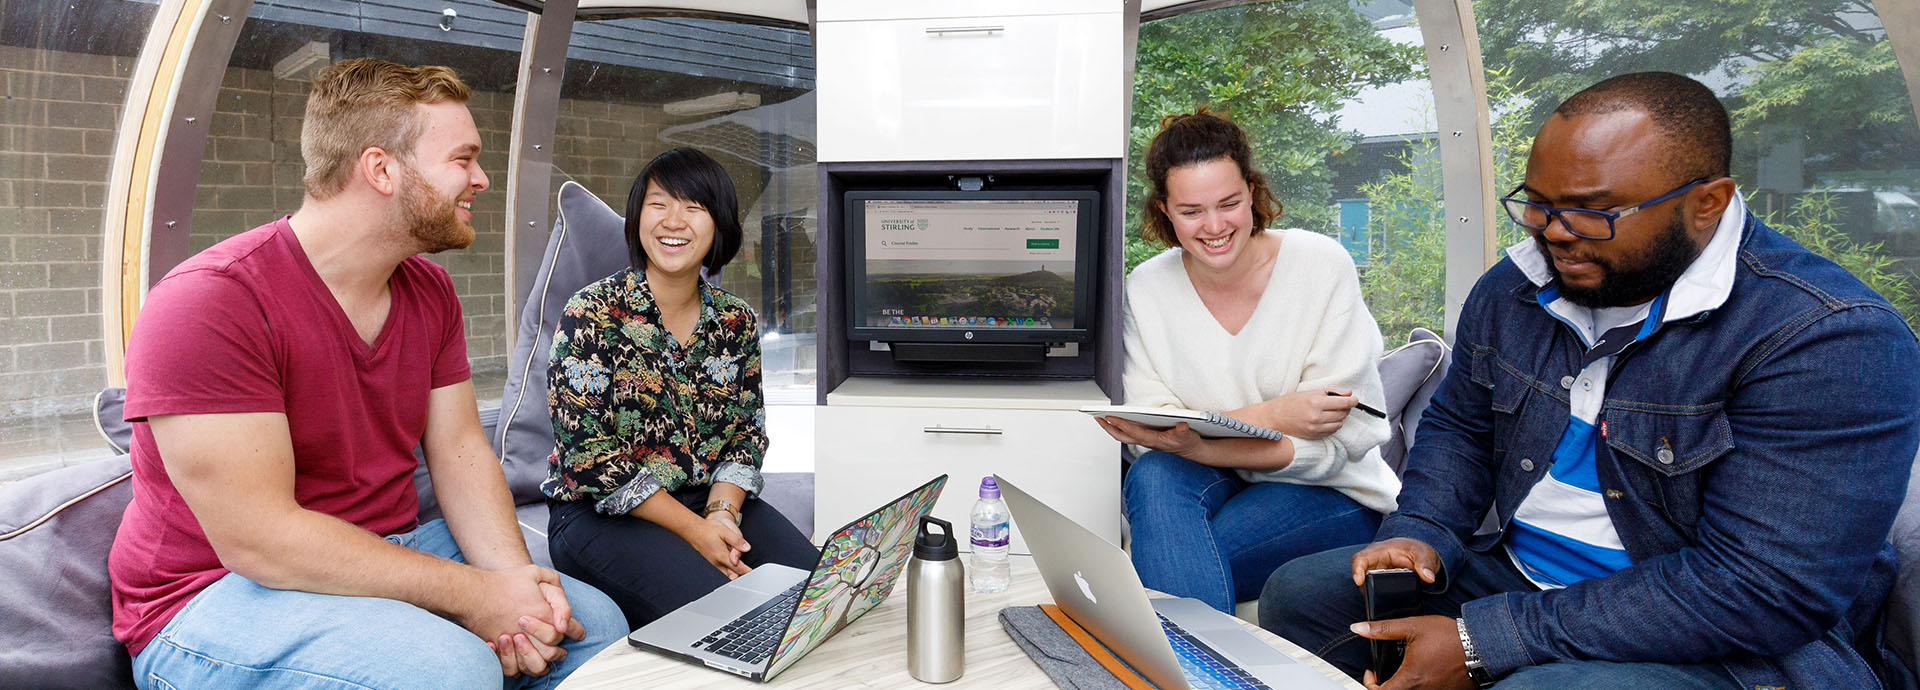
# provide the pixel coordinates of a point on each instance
(977, 431)
(939, 30)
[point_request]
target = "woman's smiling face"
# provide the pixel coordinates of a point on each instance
(1210, 207)
(675, 233)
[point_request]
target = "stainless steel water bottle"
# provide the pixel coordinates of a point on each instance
(936, 607)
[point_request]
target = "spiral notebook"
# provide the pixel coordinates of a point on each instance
(1207, 424)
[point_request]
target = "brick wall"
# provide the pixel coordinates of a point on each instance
(57, 124)
(252, 170)
(603, 146)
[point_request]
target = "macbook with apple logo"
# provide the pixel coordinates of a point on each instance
(1175, 643)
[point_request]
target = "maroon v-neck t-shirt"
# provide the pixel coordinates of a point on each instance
(248, 326)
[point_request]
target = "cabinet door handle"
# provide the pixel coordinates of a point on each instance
(977, 431)
(937, 30)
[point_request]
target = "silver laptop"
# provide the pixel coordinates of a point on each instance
(1175, 643)
(759, 624)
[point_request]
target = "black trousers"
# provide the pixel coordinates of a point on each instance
(650, 571)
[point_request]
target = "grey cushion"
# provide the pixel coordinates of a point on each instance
(109, 417)
(1409, 374)
(792, 494)
(533, 527)
(55, 599)
(588, 243)
(1902, 611)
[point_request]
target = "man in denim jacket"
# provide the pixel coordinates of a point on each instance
(1670, 449)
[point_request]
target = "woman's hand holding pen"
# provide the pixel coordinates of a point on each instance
(1309, 414)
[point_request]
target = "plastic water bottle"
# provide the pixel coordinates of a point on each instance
(987, 570)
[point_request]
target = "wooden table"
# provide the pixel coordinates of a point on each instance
(872, 652)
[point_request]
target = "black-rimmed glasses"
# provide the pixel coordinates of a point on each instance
(1582, 222)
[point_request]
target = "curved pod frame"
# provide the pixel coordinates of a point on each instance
(162, 135)
(536, 110)
(157, 153)
(1901, 18)
(1466, 144)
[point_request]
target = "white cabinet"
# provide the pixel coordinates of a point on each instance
(879, 438)
(913, 81)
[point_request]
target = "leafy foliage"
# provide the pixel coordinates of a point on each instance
(1810, 221)
(1405, 283)
(1279, 70)
(1791, 65)
(1786, 68)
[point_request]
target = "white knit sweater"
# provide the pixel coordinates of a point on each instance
(1310, 330)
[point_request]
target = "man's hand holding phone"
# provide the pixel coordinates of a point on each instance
(1409, 653)
(1434, 659)
(1398, 552)
(1391, 593)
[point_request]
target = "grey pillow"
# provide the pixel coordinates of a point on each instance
(588, 243)
(792, 494)
(1901, 613)
(55, 530)
(1409, 374)
(109, 417)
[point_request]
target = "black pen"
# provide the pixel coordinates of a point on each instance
(1363, 407)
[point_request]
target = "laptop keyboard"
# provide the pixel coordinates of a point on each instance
(1205, 669)
(753, 636)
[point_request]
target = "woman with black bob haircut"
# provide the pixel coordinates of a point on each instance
(658, 418)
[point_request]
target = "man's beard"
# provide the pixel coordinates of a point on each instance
(431, 219)
(1656, 270)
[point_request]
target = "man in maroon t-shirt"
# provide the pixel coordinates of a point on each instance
(278, 383)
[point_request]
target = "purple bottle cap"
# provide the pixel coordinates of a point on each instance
(989, 488)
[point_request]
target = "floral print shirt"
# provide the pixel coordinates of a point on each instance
(634, 412)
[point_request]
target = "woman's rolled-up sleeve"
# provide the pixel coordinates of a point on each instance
(592, 459)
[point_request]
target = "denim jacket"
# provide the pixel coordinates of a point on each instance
(1753, 459)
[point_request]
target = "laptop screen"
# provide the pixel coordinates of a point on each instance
(858, 567)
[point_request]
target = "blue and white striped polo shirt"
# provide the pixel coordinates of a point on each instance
(1561, 533)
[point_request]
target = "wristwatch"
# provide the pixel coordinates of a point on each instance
(1476, 670)
(719, 504)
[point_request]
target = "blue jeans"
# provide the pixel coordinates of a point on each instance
(650, 571)
(1311, 601)
(1203, 532)
(237, 634)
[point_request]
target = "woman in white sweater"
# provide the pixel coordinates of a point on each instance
(1267, 326)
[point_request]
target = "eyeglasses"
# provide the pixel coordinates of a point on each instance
(1582, 222)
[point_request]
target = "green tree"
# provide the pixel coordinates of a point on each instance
(1810, 221)
(1405, 283)
(1795, 66)
(1280, 70)
(1788, 70)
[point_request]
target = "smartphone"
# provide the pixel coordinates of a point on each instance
(1390, 593)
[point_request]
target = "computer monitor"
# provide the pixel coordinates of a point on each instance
(980, 268)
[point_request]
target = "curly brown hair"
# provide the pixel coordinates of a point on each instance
(1198, 137)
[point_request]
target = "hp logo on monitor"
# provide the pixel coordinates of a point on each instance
(969, 335)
